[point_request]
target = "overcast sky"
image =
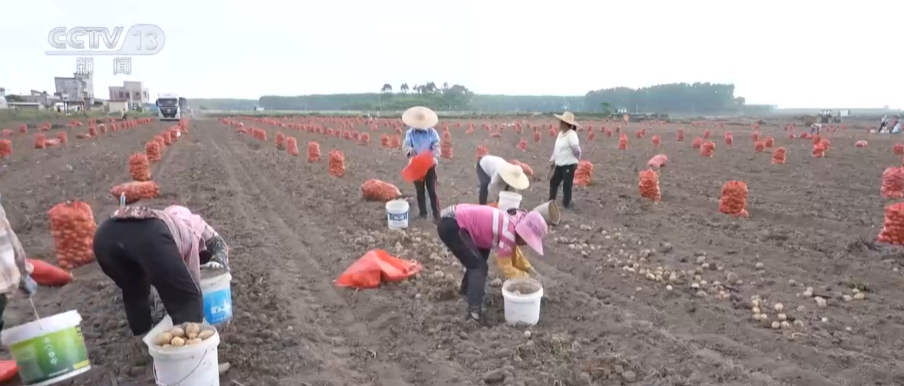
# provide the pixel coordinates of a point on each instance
(793, 53)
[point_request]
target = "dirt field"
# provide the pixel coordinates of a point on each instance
(293, 229)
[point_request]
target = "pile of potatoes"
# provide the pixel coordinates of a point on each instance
(185, 335)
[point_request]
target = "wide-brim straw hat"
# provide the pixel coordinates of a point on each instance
(514, 176)
(420, 117)
(568, 118)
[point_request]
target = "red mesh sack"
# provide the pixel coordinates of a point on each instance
(536, 136)
(759, 147)
(899, 148)
(152, 150)
(769, 142)
(778, 156)
(470, 131)
(445, 150)
(136, 191)
(816, 138)
(446, 136)
(893, 182)
(755, 137)
(292, 146)
(482, 151)
(337, 163)
(697, 142)
(649, 185)
(860, 143)
(658, 161)
(92, 131)
(893, 228)
(638, 134)
(167, 138)
(706, 134)
(707, 148)
(6, 148)
(364, 138)
(280, 141)
(608, 133)
(375, 267)
(819, 151)
(623, 142)
(376, 190)
(734, 199)
(552, 132)
(495, 135)
(39, 141)
(395, 142)
(825, 143)
(522, 145)
(313, 151)
(139, 167)
(679, 136)
(160, 142)
(583, 173)
(61, 136)
(384, 140)
(528, 171)
(72, 226)
(729, 140)
(656, 140)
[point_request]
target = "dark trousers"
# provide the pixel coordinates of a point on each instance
(428, 186)
(137, 254)
(562, 175)
(472, 258)
(2, 309)
(484, 179)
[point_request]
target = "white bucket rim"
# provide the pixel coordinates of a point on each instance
(397, 205)
(529, 298)
(40, 327)
(169, 353)
(511, 195)
(215, 281)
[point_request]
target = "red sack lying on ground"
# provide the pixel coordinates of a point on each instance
(376, 190)
(8, 371)
(135, 191)
(658, 161)
(47, 274)
(375, 267)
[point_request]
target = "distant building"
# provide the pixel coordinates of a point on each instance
(80, 87)
(25, 105)
(134, 92)
(118, 106)
(41, 97)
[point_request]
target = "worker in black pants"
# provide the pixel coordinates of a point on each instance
(139, 253)
(426, 187)
(565, 157)
(562, 175)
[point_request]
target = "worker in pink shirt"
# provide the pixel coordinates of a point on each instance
(472, 231)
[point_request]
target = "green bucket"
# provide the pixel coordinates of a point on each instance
(48, 350)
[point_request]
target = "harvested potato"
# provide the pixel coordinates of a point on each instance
(195, 341)
(177, 332)
(204, 335)
(192, 328)
(178, 342)
(167, 345)
(163, 339)
(192, 335)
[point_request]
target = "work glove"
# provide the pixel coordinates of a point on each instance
(28, 286)
(507, 268)
(520, 262)
(221, 259)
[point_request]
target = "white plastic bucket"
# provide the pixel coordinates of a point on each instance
(195, 365)
(522, 308)
(217, 293)
(48, 350)
(397, 214)
(509, 200)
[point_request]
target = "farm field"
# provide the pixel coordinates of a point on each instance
(293, 228)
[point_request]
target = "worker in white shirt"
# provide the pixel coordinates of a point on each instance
(13, 271)
(495, 175)
(565, 157)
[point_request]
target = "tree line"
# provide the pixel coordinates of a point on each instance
(686, 98)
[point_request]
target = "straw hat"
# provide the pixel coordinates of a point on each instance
(514, 176)
(568, 118)
(420, 117)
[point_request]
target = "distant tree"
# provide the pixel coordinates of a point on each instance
(740, 101)
(404, 88)
(430, 88)
(445, 86)
(387, 88)
(667, 98)
(15, 98)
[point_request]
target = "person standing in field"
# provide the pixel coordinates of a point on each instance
(13, 267)
(420, 137)
(565, 156)
(495, 174)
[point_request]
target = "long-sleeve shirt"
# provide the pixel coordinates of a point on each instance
(567, 150)
(417, 141)
(12, 256)
(490, 228)
(490, 165)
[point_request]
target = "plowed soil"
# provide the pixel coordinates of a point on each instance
(293, 229)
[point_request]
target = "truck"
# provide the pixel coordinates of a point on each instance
(170, 107)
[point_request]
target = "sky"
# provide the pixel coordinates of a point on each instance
(791, 53)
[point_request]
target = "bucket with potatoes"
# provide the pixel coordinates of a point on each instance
(184, 354)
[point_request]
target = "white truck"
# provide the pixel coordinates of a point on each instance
(170, 107)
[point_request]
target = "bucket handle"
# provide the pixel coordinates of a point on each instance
(183, 378)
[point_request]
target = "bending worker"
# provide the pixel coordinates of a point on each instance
(495, 174)
(140, 247)
(472, 231)
(13, 270)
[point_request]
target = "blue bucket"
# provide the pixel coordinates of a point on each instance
(217, 293)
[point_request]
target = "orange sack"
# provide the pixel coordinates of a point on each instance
(893, 182)
(72, 226)
(583, 173)
(623, 142)
(292, 146)
(313, 151)
(445, 150)
(893, 228)
(898, 148)
(280, 141)
(152, 150)
(47, 274)
(734, 199)
(8, 371)
(337, 163)
(136, 191)
(778, 156)
(525, 167)
(707, 148)
(698, 142)
(39, 141)
(375, 267)
(139, 167)
(658, 161)
(649, 185)
(376, 190)
(482, 151)
(6, 148)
